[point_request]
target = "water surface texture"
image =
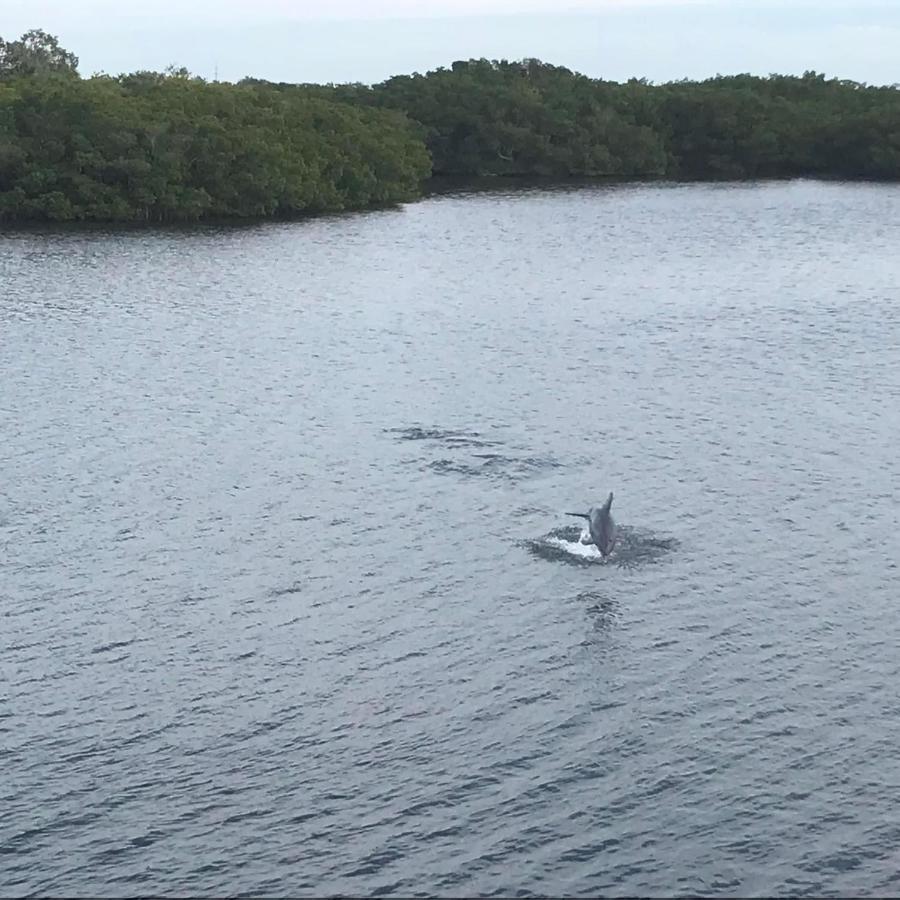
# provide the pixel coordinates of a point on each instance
(290, 604)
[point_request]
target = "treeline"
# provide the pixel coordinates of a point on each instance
(159, 147)
(487, 117)
(153, 147)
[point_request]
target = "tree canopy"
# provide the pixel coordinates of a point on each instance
(517, 118)
(159, 147)
(35, 53)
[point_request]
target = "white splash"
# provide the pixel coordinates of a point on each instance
(577, 548)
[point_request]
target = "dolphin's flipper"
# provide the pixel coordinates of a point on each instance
(580, 515)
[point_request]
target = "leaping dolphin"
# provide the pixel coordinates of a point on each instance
(601, 525)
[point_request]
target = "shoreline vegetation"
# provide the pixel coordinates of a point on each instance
(169, 147)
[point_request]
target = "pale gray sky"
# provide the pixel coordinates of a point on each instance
(369, 40)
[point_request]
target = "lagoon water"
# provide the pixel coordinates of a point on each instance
(289, 604)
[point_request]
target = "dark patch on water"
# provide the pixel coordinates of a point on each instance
(494, 465)
(442, 436)
(295, 588)
(467, 463)
(601, 607)
(114, 645)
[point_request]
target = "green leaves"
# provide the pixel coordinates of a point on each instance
(530, 118)
(36, 53)
(483, 117)
(166, 147)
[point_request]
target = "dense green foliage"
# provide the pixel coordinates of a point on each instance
(501, 118)
(526, 119)
(169, 147)
(35, 53)
(154, 148)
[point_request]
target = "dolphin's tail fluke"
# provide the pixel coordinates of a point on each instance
(580, 515)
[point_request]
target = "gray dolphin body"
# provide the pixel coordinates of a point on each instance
(601, 525)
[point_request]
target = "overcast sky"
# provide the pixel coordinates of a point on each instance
(369, 40)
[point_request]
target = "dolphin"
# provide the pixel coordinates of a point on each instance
(601, 525)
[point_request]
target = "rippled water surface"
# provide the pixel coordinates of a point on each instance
(289, 602)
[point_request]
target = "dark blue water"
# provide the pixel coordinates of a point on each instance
(289, 603)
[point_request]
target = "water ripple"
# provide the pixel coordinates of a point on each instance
(291, 606)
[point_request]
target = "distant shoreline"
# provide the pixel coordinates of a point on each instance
(435, 187)
(438, 185)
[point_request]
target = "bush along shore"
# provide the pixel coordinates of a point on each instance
(170, 147)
